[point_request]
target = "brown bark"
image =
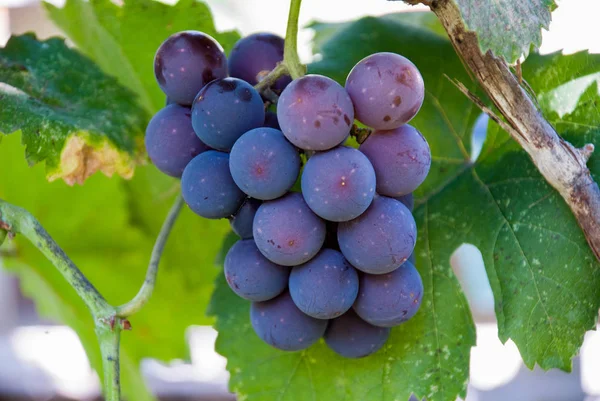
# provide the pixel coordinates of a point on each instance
(561, 164)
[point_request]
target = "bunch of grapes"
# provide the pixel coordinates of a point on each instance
(334, 259)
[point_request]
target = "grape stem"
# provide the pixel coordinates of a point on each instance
(143, 296)
(109, 320)
(360, 134)
(291, 61)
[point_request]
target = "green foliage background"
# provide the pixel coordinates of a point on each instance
(546, 282)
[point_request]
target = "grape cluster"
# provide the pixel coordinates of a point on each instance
(327, 234)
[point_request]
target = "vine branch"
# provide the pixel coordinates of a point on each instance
(143, 296)
(562, 165)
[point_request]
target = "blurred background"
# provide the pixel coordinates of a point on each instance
(42, 360)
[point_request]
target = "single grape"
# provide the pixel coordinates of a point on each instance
(401, 159)
(280, 323)
(380, 239)
(315, 113)
(352, 337)
(271, 120)
(389, 299)
(264, 164)
(251, 276)
(241, 221)
(407, 200)
(170, 140)
(187, 61)
(326, 286)
(257, 54)
(287, 232)
(387, 90)
(339, 184)
(207, 186)
(224, 110)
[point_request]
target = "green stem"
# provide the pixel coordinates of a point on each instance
(16, 220)
(290, 54)
(109, 336)
(143, 296)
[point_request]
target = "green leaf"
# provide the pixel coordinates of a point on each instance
(108, 228)
(123, 39)
(507, 28)
(545, 280)
(70, 114)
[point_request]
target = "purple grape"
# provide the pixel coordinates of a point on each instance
(352, 337)
(241, 221)
(401, 159)
(187, 61)
(325, 287)
(207, 186)
(287, 232)
(387, 90)
(380, 239)
(264, 164)
(315, 113)
(257, 54)
(170, 140)
(389, 299)
(407, 200)
(224, 110)
(280, 323)
(338, 185)
(251, 276)
(271, 120)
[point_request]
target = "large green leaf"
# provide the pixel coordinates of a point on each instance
(108, 228)
(123, 39)
(71, 115)
(546, 282)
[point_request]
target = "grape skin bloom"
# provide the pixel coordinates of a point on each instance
(287, 232)
(250, 275)
(171, 141)
(390, 299)
(187, 61)
(401, 159)
(207, 186)
(280, 323)
(315, 113)
(264, 164)
(351, 337)
(380, 239)
(224, 110)
(326, 286)
(387, 90)
(339, 184)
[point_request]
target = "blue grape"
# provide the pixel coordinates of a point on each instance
(271, 120)
(338, 185)
(264, 164)
(170, 140)
(324, 287)
(224, 110)
(387, 90)
(389, 299)
(207, 186)
(280, 323)
(315, 113)
(250, 275)
(380, 239)
(257, 54)
(287, 232)
(352, 337)
(407, 200)
(187, 61)
(241, 221)
(401, 159)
